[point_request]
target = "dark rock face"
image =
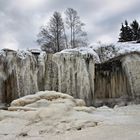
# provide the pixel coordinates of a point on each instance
(111, 82)
(118, 80)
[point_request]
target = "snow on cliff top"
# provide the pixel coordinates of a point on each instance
(82, 51)
(103, 52)
(127, 47)
(108, 51)
(21, 53)
(100, 52)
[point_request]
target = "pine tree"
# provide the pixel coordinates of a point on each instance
(136, 30)
(122, 34)
(138, 39)
(126, 33)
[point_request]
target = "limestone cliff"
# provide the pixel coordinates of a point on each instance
(18, 75)
(76, 73)
(23, 73)
(111, 83)
(131, 65)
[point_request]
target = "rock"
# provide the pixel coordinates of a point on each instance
(26, 72)
(131, 65)
(23, 73)
(76, 73)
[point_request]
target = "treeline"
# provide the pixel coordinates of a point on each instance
(130, 32)
(59, 33)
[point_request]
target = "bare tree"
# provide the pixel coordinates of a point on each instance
(77, 35)
(52, 37)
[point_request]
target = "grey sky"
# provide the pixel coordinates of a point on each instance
(21, 19)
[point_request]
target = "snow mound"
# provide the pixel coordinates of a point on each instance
(52, 111)
(38, 96)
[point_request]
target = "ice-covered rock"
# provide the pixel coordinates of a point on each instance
(76, 72)
(131, 65)
(18, 74)
(25, 72)
(73, 71)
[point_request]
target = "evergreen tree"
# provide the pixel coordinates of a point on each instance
(126, 33)
(138, 39)
(136, 30)
(122, 34)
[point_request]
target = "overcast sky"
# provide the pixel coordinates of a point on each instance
(20, 20)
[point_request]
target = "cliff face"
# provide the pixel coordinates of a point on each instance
(111, 83)
(131, 65)
(18, 75)
(23, 73)
(47, 77)
(77, 72)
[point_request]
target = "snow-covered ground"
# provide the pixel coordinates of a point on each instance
(56, 116)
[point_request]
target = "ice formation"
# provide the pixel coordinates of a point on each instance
(102, 72)
(76, 73)
(131, 65)
(18, 74)
(25, 72)
(71, 72)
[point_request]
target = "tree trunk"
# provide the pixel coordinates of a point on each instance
(65, 39)
(71, 37)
